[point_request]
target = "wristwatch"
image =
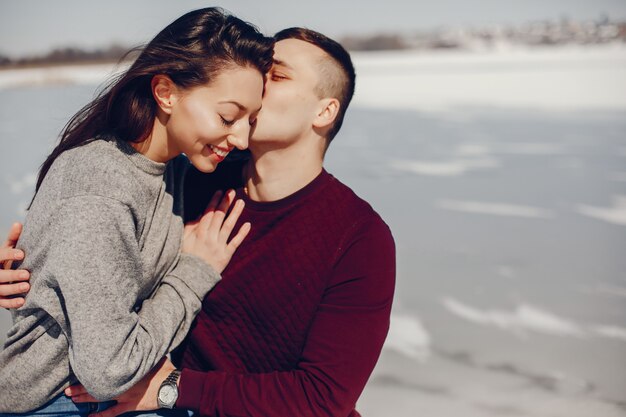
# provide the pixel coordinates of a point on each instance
(168, 391)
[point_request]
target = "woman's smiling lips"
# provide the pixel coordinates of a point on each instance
(220, 153)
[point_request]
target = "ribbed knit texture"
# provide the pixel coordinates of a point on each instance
(111, 293)
(298, 321)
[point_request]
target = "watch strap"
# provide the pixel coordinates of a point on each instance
(171, 380)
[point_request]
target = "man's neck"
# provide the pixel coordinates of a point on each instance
(277, 173)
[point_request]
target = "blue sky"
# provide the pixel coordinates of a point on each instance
(34, 26)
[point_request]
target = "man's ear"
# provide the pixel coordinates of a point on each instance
(164, 91)
(328, 110)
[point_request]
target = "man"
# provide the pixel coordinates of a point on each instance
(298, 321)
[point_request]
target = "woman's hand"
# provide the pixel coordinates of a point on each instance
(11, 282)
(141, 397)
(207, 237)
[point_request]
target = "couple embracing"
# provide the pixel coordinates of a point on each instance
(186, 253)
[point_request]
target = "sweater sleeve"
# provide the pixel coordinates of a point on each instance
(341, 350)
(94, 263)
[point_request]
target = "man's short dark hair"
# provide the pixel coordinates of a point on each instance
(338, 76)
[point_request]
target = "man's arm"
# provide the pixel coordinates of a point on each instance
(342, 348)
(12, 283)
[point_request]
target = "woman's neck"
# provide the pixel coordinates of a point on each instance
(156, 146)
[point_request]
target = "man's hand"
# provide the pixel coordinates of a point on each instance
(141, 397)
(11, 282)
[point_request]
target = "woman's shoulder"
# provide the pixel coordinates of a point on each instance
(98, 168)
(95, 154)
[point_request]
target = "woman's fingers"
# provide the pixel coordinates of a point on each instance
(11, 284)
(209, 238)
(205, 224)
(84, 398)
(220, 213)
(10, 290)
(74, 390)
(215, 200)
(13, 236)
(8, 255)
(229, 224)
(11, 303)
(228, 199)
(213, 217)
(207, 216)
(11, 254)
(239, 237)
(9, 275)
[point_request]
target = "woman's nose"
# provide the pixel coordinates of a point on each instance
(240, 135)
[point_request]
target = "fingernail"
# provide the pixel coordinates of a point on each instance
(24, 287)
(18, 255)
(23, 274)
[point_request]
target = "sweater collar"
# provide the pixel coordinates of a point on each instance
(314, 186)
(141, 161)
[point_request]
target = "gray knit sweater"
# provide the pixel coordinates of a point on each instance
(111, 292)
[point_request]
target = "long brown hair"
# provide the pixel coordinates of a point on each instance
(192, 50)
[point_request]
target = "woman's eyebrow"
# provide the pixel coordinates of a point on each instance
(239, 105)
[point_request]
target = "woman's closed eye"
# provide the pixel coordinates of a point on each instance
(227, 122)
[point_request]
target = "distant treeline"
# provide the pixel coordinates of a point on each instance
(563, 31)
(378, 42)
(547, 32)
(71, 55)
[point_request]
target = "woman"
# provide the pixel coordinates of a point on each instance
(114, 285)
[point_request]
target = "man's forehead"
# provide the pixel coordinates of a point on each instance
(290, 52)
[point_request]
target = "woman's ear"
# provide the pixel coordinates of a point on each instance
(328, 110)
(164, 91)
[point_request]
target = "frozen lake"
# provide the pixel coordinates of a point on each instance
(502, 175)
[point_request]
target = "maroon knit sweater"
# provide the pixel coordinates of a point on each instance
(298, 321)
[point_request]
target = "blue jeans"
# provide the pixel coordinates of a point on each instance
(63, 406)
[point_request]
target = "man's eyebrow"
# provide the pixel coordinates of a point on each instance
(239, 105)
(281, 63)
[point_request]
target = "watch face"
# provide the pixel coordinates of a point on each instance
(167, 394)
